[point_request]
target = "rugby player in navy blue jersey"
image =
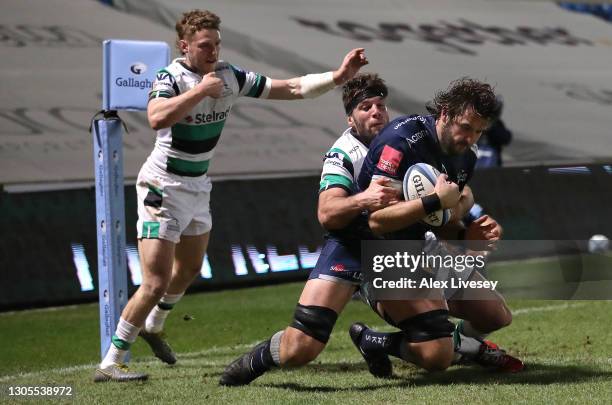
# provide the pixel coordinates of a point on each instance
(337, 273)
(446, 140)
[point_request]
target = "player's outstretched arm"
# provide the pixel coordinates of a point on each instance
(406, 213)
(314, 85)
(337, 209)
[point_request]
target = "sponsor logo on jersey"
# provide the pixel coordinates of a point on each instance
(201, 118)
(161, 76)
(338, 267)
(407, 120)
(131, 82)
(333, 162)
(332, 155)
(138, 68)
(389, 161)
(462, 176)
(416, 137)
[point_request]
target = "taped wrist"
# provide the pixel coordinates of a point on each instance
(431, 203)
(314, 85)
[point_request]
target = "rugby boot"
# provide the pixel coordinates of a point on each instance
(118, 372)
(491, 356)
(240, 371)
(378, 362)
(161, 348)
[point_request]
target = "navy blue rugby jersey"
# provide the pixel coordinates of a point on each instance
(404, 142)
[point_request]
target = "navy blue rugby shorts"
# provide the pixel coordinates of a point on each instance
(339, 261)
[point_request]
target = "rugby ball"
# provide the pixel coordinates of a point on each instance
(599, 244)
(419, 181)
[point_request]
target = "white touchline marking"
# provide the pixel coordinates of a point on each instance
(152, 360)
(547, 308)
(230, 349)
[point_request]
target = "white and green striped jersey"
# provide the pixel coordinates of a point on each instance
(187, 147)
(342, 163)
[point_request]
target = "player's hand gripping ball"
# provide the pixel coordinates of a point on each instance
(419, 181)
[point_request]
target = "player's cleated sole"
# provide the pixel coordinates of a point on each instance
(161, 349)
(378, 363)
(239, 371)
(491, 356)
(118, 373)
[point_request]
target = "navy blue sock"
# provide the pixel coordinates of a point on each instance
(389, 343)
(262, 358)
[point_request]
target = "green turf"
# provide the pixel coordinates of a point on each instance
(566, 346)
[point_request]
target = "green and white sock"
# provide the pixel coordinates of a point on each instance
(467, 340)
(124, 336)
(157, 317)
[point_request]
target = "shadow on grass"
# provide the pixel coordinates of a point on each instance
(534, 374)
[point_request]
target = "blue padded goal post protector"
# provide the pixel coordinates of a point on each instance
(129, 69)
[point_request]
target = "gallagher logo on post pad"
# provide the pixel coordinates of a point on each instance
(138, 68)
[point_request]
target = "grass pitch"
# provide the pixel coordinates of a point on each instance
(566, 346)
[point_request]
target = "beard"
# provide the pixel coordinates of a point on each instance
(448, 144)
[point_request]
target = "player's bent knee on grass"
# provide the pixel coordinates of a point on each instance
(485, 316)
(298, 349)
(307, 335)
(496, 317)
(433, 355)
(428, 336)
(315, 321)
(424, 337)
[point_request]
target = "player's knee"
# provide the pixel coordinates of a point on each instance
(314, 321)
(427, 326)
(428, 336)
(495, 319)
(436, 355)
(155, 287)
(299, 349)
(503, 319)
(190, 271)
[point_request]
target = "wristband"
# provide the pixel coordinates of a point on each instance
(314, 85)
(431, 203)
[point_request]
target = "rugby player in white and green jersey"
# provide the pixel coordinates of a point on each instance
(336, 275)
(188, 106)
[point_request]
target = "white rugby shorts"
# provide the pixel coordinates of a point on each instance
(170, 206)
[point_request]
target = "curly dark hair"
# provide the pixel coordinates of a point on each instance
(194, 21)
(463, 94)
(360, 87)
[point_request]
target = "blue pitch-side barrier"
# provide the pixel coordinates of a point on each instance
(129, 69)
